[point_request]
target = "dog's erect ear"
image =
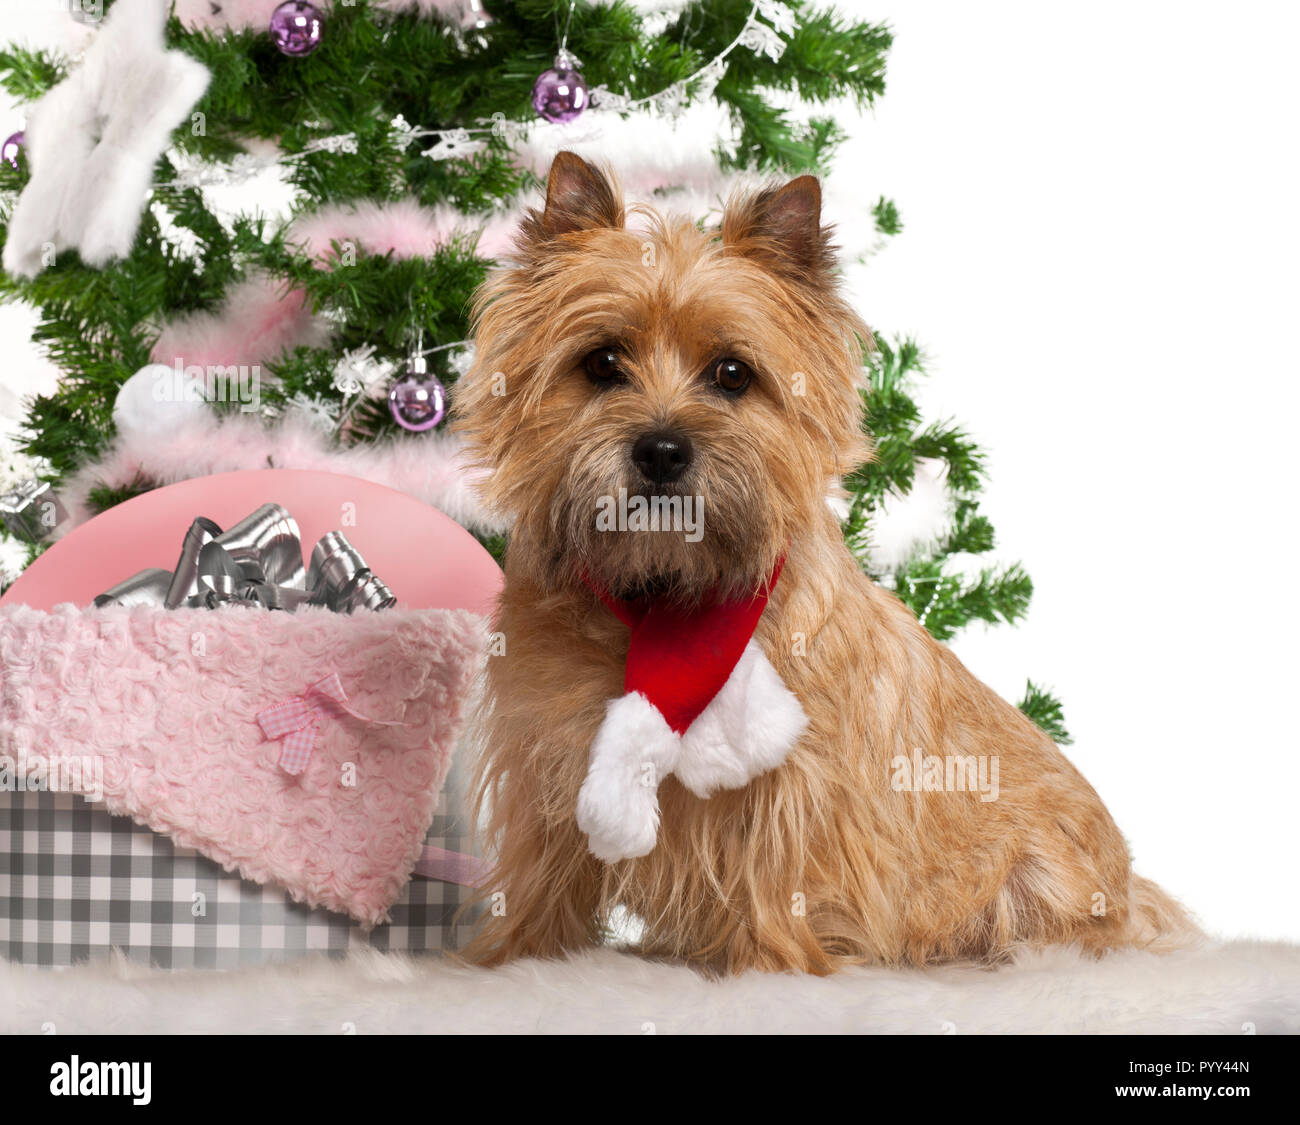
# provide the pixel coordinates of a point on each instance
(578, 197)
(781, 228)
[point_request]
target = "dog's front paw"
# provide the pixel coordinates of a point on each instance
(618, 805)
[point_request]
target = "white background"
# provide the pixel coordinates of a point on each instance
(1102, 209)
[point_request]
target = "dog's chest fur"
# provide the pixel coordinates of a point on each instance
(829, 824)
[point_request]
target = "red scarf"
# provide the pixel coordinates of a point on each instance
(701, 701)
(679, 658)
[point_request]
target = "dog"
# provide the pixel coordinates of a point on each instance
(725, 365)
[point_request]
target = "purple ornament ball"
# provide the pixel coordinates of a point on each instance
(296, 28)
(12, 146)
(560, 94)
(418, 402)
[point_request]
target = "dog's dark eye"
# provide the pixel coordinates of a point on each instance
(603, 366)
(732, 376)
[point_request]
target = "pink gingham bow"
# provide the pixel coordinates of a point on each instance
(296, 719)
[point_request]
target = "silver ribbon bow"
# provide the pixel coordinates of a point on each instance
(257, 562)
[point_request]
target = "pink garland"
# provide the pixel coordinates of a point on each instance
(431, 467)
(259, 319)
(403, 228)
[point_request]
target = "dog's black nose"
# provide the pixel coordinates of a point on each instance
(663, 456)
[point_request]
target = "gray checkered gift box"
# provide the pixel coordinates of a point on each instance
(76, 882)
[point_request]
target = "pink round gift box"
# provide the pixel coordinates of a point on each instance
(427, 559)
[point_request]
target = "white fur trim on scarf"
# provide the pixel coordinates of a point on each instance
(747, 729)
(618, 805)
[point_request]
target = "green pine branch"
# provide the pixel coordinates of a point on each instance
(888, 219)
(946, 603)
(1045, 710)
(26, 75)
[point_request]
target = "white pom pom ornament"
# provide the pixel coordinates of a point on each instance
(157, 398)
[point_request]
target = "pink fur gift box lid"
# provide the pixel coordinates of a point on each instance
(156, 713)
(165, 704)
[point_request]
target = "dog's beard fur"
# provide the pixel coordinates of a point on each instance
(886, 877)
(723, 486)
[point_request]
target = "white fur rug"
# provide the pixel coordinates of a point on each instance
(1230, 988)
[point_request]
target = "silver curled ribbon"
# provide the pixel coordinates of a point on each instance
(257, 562)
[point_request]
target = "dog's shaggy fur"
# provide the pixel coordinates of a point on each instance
(820, 862)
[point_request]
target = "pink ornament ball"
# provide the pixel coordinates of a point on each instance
(11, 148)
(560, 94)
(297, 28)
(417, 402)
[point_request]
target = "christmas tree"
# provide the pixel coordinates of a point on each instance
(198, 329)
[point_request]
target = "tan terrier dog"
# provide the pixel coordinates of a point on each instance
(725, 367)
